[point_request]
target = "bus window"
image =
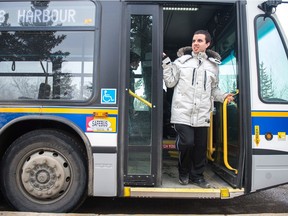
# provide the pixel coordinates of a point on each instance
(272, 68)
(31, 60)
(41, 58)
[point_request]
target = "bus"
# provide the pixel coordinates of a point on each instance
(78, 120)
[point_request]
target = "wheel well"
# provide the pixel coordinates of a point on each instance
(17, 129)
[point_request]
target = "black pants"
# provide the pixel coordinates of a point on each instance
(191, 143)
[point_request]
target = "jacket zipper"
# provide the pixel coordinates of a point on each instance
(205, 80)
(193, 77)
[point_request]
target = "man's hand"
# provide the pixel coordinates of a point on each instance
(230, 97)
(165, 59)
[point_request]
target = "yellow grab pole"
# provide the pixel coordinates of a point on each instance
(140, 99)
(225, 143)
(211, 149)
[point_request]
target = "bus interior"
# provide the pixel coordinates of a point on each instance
(220, 21)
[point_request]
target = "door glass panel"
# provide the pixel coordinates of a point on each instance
(228, 73)
(140, 75)
(227, 47)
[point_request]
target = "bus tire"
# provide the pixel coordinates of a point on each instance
(44, 171)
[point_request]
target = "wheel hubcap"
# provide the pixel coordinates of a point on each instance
(46, 175)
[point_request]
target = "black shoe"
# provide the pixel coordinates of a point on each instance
(201, 183)
(184, 179)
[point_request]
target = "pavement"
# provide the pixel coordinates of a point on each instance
(8, 213)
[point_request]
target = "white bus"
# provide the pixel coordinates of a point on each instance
(76, 120)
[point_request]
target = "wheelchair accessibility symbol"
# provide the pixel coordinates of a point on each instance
(108, 96)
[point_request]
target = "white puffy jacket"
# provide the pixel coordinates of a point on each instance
(195, 81)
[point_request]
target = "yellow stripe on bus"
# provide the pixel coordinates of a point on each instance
(176, 190)
(78, 111)
(269, 114)
(21, 110)
(56, 110)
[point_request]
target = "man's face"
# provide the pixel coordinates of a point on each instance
(199, 43)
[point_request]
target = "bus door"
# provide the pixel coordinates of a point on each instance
(226, 137)
(143, 108)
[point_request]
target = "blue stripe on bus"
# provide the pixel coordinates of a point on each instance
(270, 124)
(77, 119)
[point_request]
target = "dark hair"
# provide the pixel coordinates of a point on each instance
(206, 33)
(134, 57)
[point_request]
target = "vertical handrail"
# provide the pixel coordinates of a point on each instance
(211, 148)
(225, 143)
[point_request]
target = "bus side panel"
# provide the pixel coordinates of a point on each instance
(106, 163)
(105, 174)
(269, 149)
(269, 171)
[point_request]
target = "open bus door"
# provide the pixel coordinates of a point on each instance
(231, 122)
(144, 93)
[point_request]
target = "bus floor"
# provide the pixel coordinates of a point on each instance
(170, 175)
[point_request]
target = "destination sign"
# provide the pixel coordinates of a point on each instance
(56, 13)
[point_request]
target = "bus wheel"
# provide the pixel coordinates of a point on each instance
(44, 171)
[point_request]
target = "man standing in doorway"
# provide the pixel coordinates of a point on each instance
(194, 77)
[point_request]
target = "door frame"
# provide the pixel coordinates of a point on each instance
(156, 93)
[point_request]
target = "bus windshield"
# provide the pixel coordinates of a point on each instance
(272, 69)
